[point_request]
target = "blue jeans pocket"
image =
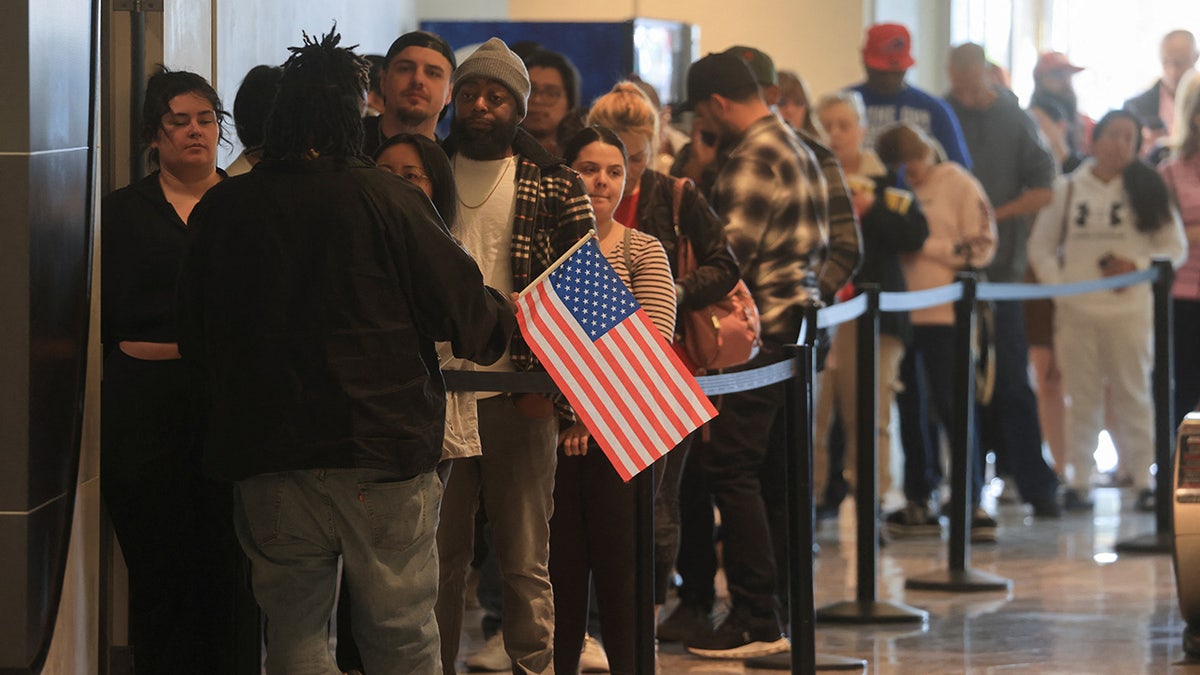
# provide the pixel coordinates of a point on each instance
(261, 499)
(399, 511)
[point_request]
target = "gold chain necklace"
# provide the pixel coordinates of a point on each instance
(503, 173)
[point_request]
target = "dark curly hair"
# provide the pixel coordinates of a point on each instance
(166, 84)
(318, 106)
(1148, 195)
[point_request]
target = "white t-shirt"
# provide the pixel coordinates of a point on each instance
(487, 204)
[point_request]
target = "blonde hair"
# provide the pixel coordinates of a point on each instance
(846, 97)
(626, 109)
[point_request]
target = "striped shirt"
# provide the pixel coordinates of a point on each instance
(1183, 176)
(648, 276)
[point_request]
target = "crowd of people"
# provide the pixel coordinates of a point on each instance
(274, 334)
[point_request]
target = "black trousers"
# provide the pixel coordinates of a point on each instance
(592, 537)
(175, 527)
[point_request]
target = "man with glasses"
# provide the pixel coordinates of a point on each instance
(553, 115)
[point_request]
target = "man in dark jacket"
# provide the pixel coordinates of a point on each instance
(311, 296)
(1155, 107)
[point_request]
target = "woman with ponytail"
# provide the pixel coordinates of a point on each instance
(1110, 217)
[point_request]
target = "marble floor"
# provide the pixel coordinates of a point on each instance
(1076, 606)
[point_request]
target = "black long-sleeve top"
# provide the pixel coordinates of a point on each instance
(885, 235)
(716, 270)
(141, 243)
(311, 295)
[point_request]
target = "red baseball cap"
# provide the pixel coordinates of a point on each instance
(1049, 61)
(888, 48)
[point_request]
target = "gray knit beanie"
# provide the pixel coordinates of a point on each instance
(495, 61)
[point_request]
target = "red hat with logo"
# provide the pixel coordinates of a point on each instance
(888, 48)
(1051, 61)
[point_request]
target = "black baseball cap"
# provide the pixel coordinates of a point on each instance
(724, 74)
(421, 38)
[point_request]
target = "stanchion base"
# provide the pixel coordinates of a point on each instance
(1147, 543)
(959, 581)
(853, 611)
(783, 661)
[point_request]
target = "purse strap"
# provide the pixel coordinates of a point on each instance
(1062, 230)
(628, 257)
(676, 203)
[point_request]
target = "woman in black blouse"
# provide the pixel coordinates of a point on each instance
(173, 525)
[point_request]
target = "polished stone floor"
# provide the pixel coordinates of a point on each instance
(1076, 606)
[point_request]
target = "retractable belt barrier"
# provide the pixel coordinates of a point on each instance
(796, 369)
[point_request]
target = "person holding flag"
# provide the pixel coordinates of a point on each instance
(593, 528)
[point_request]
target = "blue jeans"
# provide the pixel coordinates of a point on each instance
(294, 526)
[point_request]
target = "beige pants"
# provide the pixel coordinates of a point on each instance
(838, 388)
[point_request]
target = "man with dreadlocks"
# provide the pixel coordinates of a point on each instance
(312, 293)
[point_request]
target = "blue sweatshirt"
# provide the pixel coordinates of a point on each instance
(921, 109)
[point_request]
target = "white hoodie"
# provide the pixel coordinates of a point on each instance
(1099, 221)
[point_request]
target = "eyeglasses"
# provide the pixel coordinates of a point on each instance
(415, 177)
(547, 94)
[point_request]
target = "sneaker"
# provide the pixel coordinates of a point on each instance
(1073, 500)
(1046, 506)
(983, 527)
(593, 659)
(491, 657)
(1145, 501)
(914, 520)
(740, 636)
(688, 621)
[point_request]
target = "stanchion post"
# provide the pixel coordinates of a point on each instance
(866, 608)
(644, 571)
(1164, 394)
(1163, 390)
(962, 457)
(866, 498)
(959, 577)
(801, 610)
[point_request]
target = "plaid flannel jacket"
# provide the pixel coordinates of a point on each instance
(773, 198)
(551, 213)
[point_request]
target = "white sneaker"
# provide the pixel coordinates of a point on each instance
(491, 657)
(593, 659)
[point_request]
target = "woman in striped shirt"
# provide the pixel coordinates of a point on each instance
(592, 532)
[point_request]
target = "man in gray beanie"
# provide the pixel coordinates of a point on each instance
(520, 210)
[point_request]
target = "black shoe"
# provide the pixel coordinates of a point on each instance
(688, 621)
(1074, 501)
(983, 527)
(1046, 506)
(914, 520)
(740, 636)
(1145, 501)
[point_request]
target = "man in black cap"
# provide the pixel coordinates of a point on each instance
(416, 89)
(772, 195)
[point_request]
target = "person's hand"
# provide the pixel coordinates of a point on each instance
(1114, 265)
(512, 300)
(862, 200)
(574, 440)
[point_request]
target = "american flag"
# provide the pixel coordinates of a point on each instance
(619, 374)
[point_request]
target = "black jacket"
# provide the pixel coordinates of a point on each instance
(311, 295)
(716, 271)
(885, 235)
(1144, 106)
